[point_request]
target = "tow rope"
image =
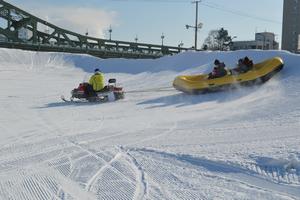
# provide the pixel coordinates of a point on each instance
(160, 89)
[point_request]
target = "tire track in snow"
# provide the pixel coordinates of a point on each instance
(27, 156)
(141, 189)
(36, 186)
(162, 181)
(54, 129)
(93, 181)
(141, 186)
(63, 167)
(30, 185)
(225, 172)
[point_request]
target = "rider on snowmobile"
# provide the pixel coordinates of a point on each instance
(97, 80)
(96, 84)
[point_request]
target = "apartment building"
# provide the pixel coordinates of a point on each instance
(291, 26)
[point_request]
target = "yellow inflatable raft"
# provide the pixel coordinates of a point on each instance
(261, 72)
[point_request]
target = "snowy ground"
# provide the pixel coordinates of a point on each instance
(155, 144)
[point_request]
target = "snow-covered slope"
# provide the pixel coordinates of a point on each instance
(157, 143)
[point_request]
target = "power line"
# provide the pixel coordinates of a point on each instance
(235, 12)
(209, 5)
(152, 1)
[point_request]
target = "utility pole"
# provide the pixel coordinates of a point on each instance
(196, 23)
(197, 26)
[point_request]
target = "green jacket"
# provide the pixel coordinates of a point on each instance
(97, 81)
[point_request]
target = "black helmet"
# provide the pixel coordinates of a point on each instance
(97, 70)
(217, 62)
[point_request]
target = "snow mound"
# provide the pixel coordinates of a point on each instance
(186, 62)
(292, 164)
(157, 143)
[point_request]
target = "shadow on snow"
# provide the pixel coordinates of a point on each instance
(65, 104)
(182, 99)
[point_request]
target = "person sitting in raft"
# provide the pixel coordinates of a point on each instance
(218, 71)
(248, 63)
(243, 66)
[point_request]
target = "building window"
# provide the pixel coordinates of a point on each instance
(298, 46)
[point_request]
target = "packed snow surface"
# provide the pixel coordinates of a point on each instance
(157, 143)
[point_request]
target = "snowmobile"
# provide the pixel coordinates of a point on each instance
(111, 92)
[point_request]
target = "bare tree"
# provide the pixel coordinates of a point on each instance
(217, 40)
(210, 42)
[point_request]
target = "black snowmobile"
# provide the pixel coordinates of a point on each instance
(83, 93)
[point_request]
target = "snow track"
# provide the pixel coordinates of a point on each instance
(204, 168)
(130, 173)
(241, 144)
(109, 175)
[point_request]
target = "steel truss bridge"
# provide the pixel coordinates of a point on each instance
(40, 35)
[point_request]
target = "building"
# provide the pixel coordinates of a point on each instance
(291, 26)
(267, 40)
(263, 40)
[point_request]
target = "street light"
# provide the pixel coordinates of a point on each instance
(199, 26)
(162, 39)
(110, 31)
(180, 44)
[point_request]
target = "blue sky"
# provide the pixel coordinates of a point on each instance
(148, 19)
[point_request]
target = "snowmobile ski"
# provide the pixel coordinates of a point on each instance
(64, 99)
(71, 100)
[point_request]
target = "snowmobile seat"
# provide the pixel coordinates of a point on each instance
(112, 80)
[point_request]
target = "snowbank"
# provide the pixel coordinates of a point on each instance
(154, 144)
(189, 62)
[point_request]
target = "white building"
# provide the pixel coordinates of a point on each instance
(263, 40)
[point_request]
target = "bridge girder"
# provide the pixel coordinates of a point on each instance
(44, 36)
